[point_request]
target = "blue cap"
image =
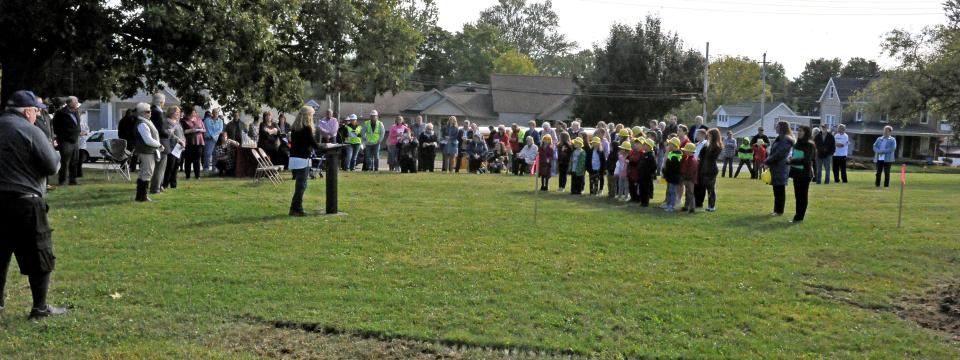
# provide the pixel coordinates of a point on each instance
(24, 98)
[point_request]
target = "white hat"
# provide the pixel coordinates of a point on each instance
(352, 117)
(374, 113)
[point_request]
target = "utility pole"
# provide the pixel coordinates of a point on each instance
(706, 81)
(763, 87)
(336, 104)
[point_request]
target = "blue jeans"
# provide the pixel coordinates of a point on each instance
(208, 147)
(352, 152)
(300, 176)
(372, 157)
(392, 161)
(672, 195)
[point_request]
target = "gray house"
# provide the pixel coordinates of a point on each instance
(508, 99)
(916, 138)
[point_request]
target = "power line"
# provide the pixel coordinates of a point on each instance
(760, 11)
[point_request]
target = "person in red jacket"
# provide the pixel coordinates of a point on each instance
(759, 156)
(688, 176)
(634, 158)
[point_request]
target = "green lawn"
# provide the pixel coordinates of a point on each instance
(457, 259)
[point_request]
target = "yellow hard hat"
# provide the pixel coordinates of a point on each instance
(625, 145)
(651, 143)
(675, 142)
(578, 141)
(691, 147)
(547, 138)
(624, 133)
(636, 130)
(595, 140)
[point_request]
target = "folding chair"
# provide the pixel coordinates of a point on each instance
(264, 169)
(117, 155)
(266, 160)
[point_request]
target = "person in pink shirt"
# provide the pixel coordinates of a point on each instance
(393, 136)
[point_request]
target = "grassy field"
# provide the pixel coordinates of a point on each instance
(437, 265)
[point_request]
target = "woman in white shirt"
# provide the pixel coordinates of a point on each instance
(528, 154)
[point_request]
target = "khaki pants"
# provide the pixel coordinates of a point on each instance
(689, 201)
(147, 163)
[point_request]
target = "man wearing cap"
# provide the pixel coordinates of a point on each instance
(147, 147)
(66, 127)
(372, 133)
(26, 159)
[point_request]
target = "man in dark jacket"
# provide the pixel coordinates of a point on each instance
(28, 158)
(127, 130)
(826, 146)
(759, 136)
(66, 127)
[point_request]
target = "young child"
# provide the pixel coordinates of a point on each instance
(578, 161)
(745, 154)
(613, 157)
(545, 166)
(648, 171)
(688, 176)
(596, 162)
(407, 152)
(633, 169)
(759, 156)
(620, 172)
(672, 151)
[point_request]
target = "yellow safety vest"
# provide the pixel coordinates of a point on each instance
(373, 135)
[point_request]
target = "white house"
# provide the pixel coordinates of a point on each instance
(744, 118)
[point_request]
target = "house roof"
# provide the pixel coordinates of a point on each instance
(468, 87)
(898, 129)
(360, 109)
(395, 104)
(528, 94)
(846, 87)
(750, 110)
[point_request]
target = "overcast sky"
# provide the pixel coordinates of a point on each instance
(789, 31)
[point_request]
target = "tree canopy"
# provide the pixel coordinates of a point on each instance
(641, 72)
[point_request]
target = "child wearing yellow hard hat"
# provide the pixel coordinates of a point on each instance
(578, 162)
(621, 172)
(689, 166)
(671, 173)
(647, 172)
(596, 162)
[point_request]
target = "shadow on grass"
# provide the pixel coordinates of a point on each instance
(761, 222)
(238, 220)
(64, 198)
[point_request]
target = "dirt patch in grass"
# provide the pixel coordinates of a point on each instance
(937, 309)
(279, 341)
(845, 296)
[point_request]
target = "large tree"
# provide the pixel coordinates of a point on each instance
(513, 62)
(532, 29)
(860, 68)
(811, 81)
(59, 47)
(927, 77)
(641, 72)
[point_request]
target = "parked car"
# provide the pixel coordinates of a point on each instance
(91, 152)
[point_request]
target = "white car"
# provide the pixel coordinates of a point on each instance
(91, 152)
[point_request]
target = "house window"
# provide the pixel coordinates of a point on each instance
(830, 93)
(859, 115)
(829, 121)
(884, 117)
(925, 117)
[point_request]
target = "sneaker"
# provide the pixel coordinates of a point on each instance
(710, 209)
(775, 214)
(663, 206)
(37, 314)
(669, 209)
(692, 210)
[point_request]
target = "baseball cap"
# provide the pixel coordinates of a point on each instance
(24, 98)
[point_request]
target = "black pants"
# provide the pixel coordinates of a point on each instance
(883, 167)
(408, 165)
(635, 189)
(134, 160)
(699, 193)
(644, 191)
(170, 175)
(726, 162)
(27, 236)
(749, 167)
(779, 198)
(69, 156)
(576, 186)
(460, 155)
(563, 175)
(801, 189)
(300, 175)
(709, 185)
(544, 183)
(191, 156)
(839, 168)
(475, 164)
(427, 159)
(595, 181)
